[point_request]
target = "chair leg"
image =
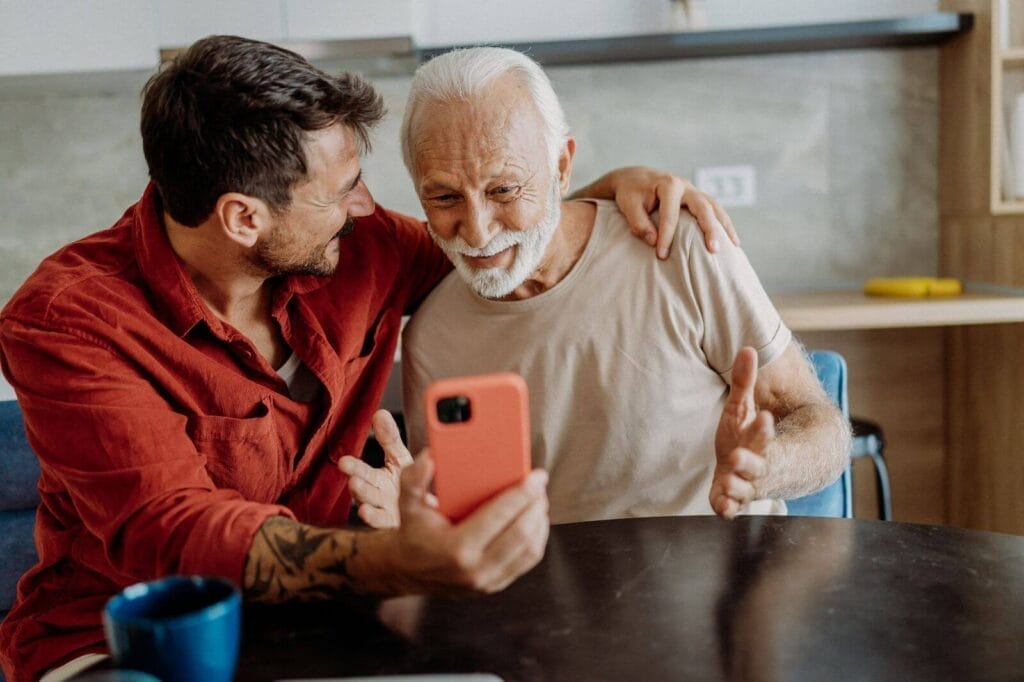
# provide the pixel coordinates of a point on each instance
(882, 489)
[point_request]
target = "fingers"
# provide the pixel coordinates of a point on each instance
(483, 525)
(517, 549)
(671, 196)
(640, 224)
(726, 222)
(386, 432)
(730, 492)
(725, 506)
(377, 517)
(367, 484)
(702, 206)
(749, 465)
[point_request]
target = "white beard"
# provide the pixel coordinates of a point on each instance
(530, 245)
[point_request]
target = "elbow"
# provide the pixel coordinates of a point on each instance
(842, 439)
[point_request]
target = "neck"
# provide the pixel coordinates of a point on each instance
(564, 251)
(230, 290)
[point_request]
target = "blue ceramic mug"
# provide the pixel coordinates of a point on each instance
(177, 628)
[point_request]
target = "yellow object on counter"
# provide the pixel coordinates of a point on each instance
(912, 287)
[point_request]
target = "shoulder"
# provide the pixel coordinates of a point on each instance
(449, 298)
(99, 270)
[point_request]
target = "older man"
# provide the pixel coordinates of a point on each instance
(643, 388)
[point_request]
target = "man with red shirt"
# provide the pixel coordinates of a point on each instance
(191, 377)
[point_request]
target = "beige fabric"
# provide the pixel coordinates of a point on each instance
(626, 359)
(72, 667)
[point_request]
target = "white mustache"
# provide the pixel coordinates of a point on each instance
(501, 241)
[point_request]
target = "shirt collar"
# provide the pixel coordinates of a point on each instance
(169, 281)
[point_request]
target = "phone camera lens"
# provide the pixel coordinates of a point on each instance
(453, 410)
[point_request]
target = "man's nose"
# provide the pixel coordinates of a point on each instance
(477, 226)
(362, 203)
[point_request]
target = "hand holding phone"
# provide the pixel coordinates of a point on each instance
(478, 429)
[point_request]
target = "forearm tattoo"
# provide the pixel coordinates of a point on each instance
(289, 560)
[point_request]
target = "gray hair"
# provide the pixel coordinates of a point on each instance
(460, 75)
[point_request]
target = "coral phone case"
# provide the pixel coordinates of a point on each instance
(488, 452)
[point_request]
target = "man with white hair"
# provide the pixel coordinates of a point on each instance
(644, 383)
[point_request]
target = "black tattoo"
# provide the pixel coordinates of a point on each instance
(289, 560)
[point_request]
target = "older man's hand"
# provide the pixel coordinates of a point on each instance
(639, 191)
(376, 491)
(740, 442)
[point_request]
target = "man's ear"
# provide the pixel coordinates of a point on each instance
(565, 164)
(242, 218)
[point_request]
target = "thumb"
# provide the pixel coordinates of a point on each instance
(386, 432)
(416, 481)
(740, 404)
(757, 435)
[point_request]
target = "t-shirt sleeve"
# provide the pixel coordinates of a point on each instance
(734, 308)
(423, 264)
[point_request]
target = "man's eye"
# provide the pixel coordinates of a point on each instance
(444, 198)
(505, 191)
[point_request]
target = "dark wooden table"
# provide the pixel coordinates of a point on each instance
(695, 598)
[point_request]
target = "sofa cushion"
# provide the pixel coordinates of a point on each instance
(19, 468)
(17, 551)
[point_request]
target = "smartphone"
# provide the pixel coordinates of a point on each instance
(478, 429)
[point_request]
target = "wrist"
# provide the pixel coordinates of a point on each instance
(380, 566)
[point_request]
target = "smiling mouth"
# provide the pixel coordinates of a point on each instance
(483, 262)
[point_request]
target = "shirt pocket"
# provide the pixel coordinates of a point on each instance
(242, 453)
(375, 341)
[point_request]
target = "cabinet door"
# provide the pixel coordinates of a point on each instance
(352, 19)
(462, 22)
(182, 22)
(56, 36)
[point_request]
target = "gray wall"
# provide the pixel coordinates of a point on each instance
(844, 143)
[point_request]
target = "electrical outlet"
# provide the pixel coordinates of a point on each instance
(731, 185)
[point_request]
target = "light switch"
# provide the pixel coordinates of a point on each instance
(731, 185)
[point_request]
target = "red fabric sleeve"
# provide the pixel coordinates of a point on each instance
(121, 457)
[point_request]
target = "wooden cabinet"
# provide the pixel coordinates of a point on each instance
(982, 240)
(1008, 105)
(982, 71)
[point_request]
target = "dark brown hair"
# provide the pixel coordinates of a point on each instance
(229, 115)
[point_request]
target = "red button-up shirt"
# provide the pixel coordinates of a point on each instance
(164, 438)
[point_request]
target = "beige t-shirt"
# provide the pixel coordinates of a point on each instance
(627, 361)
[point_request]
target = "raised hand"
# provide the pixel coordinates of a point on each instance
(741, 439)
(376, 491)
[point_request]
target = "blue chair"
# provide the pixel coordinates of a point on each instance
(836, 499)
(19, 497)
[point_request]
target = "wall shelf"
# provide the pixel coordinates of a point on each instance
(852, 309)
(925, 29)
